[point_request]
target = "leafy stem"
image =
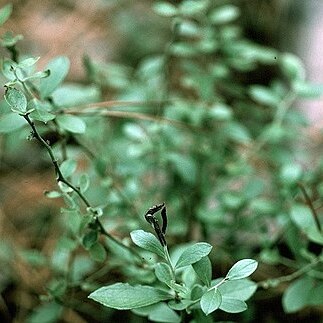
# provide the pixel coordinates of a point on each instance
(169, 262)
(60, 178)
(276, 281)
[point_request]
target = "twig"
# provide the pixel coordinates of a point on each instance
(276, 281)
(60, 178)
(311, 206)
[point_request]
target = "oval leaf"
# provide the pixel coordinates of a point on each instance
(147, 241)
(163, 273)
(242, 289)
(298, 294)
(71, 123)
(16, 99)
(232, 305)
(203, 269)
(193, 254)
(5, 13)
(97, 252)
(224, 14)
(211, 301)
(11, 122)
(58, 68)
(68, 167)
(242, 269)
(124, 296)
(165, 9)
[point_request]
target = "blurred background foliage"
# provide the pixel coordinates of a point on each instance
(194, 104)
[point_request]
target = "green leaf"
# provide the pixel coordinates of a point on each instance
(71, 123)
(36, 76)
(90, 239)
(291, 173)
(162, 313)
(84, 182)
(97, 252)
(5, 13)
(292, 67)
(158, 313)
(11, 122)
(211, 301)
(297, 295)
(135, 132)
(302, 217)
(203, 269)
(193, 254)
(52, 194)
(42, 115)
(242, 269)
(242, 289)
(16, 99)
(58, 67)
(308, 90)
(164, 273)
(224, 14)
(237, 132)
(220, 112)
(68, 167)
(232, 305)
(316, 296)
(46, 313)
(147, 241)
(192, 7)
(71, 95)
(264, 95)
(165, 9)
(28, 62)
(124, 296)
(185, 166)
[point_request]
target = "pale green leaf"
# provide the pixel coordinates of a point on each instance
(16, 99)
(297, 295)
(203, 269)
(58, 68)
(242, 289)
(211, 301)
(162, 313)
(224, 14)
(292, 67)
(124, 296)
(71, 123)
(193, 254)
(165, 9)
(147, 241)
(68, 167)
(264, 95)
(11, 122)
(84, 182)
(5, 13)
(242, 269)
(158, 313)
(232, 305)
(97, 252)
(164, 273)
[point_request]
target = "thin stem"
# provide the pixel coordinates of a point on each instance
(218, 284)
(311, 206)
(282, 109)
(276, 281)
(60, 178)
(169, 261)
(108, 235)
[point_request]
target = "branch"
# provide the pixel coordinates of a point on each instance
(60, 178)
